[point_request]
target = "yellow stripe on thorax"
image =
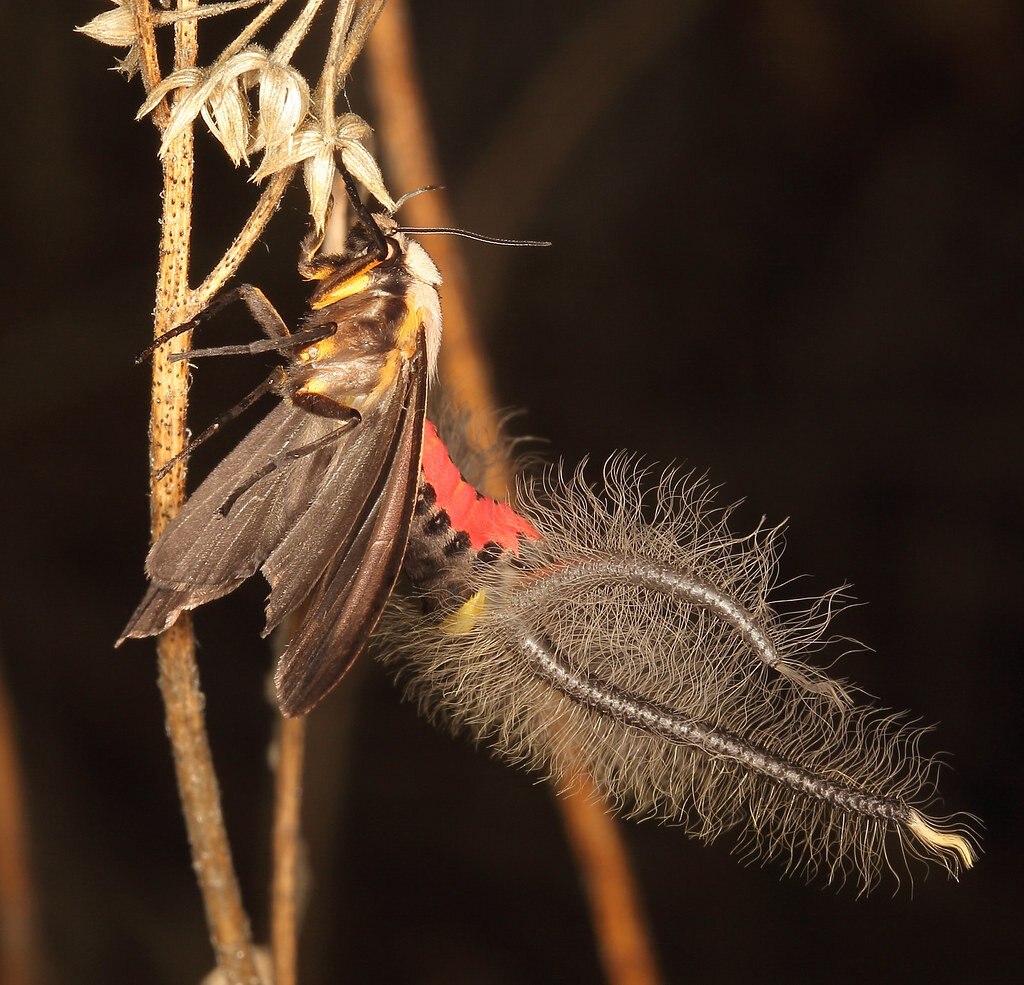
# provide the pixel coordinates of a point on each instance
(360, 282)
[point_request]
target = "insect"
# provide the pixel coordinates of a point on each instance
(576, 634)
(319, 495)
(632, 636)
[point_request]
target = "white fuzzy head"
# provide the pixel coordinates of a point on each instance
(426, 278)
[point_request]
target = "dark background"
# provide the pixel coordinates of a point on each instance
(787, 251)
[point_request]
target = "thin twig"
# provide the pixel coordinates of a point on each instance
(250, 30)
(178, 673)
(150, 62)
(228, 264)
(161, 17)
(19, 954)
(623, 938)
(287, 838)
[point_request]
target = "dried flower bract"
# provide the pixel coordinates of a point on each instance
(294, 122)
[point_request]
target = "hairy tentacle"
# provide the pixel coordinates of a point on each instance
(620, 637)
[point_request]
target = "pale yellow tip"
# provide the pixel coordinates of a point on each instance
(463, 619)
(942, 841)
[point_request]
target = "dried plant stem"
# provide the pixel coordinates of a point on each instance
(144, 13)
(19, 964)
(352, 24)
(200, 798)
(287, 838)
(178, 673)
(228, 264)
(162, 17)
(623, 938)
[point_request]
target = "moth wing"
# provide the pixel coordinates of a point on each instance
(349, 487)
(203, 554)
(350, 597)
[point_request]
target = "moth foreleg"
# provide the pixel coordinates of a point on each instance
(263, 312)
(273, 382)
(308, 336)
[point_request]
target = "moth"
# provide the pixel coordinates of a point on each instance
(319, 496)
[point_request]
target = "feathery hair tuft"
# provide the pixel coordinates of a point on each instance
(638, 640)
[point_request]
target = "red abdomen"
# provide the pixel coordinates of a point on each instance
(455, 528)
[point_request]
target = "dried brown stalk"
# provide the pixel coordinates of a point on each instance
(178, 673)
(616, 910)
(291, 737)
(150, 62)
(623, 938)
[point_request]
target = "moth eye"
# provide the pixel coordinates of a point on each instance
(392, 248)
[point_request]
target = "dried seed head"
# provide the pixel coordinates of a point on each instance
(315, 150)
(191, 79)
(283, 103)
(114, 27)
(118, 28)
(218, 93)
(364, 168)
(318, 172)
(226, 113)
(285, 130)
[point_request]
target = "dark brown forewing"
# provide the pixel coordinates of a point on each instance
(203, 555)
(349, 487)
(350, 598)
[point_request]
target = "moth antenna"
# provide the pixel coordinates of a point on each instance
(637, 637)
(467, 234)
(359, 209)
(417, 191)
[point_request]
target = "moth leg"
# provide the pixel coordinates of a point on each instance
(299, 340)
(323, 406)
(278, 337)
(284, 458)
(263, 312)
(273, 382)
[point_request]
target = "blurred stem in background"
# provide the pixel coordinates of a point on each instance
(19, 951)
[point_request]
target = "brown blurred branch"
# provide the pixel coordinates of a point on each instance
(402, 118)
(408, 150)
(616, 910)
(178, 673)
(19, 954)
